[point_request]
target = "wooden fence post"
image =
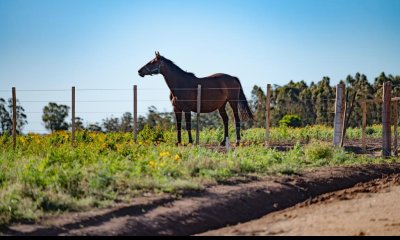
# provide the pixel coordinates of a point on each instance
(364, 126)
(386, 123)
(339, 114)
(267, 114)
(395, 126)
(198, 114)
(14, 110)
(73, 118)
(135, 126)
(347, 119)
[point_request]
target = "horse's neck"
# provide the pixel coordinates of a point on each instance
(176, 80)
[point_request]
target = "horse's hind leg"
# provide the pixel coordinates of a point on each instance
(178, 115)
(235, 108)
(188, 119)
(225, 119)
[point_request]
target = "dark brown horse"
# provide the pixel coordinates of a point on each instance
(216, 91)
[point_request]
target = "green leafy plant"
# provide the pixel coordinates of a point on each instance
(291, 121)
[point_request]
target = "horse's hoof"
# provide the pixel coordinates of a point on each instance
(222, 144)
(178, 144)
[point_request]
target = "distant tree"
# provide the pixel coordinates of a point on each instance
(292, 98)
(307, 114)
(142, 121)
(126, 124)
(111, 124)
(54, 117)
(6, 116)
(79, 124)
(359, 84)
(257, 105)
(162, 120)
(212, 120)
(21, 116)
(94, 127)
(323, 94)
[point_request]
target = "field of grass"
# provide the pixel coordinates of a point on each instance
(46, 175)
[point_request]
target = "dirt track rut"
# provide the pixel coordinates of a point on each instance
(367, 209)
(214, 208)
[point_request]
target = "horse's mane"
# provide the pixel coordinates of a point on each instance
(176, 68)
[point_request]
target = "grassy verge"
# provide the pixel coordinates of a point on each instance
(45, 174)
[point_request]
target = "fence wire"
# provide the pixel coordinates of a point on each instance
(83, 103)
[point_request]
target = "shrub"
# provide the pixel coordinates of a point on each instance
(290, 121)
(149, 134)
(370, 131)
(318, 151)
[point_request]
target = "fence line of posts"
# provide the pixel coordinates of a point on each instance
(389, 103)
(339, 119)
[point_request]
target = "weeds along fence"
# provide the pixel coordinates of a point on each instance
(335, 108)
(390, 122)
(316, 121)
(77, 99)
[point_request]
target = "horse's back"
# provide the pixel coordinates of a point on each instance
(218, 76)
(219, 80)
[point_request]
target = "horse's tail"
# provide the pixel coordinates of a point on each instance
(244, 108)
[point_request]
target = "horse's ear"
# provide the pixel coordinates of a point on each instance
(158, 54)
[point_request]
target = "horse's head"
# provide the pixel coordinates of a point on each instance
(153, 67)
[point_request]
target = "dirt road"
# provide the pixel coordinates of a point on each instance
(368, 209)
(239, 201)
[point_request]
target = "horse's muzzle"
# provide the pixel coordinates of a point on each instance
(141, 73)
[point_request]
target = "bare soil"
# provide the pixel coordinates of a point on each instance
(217, 207)
(367, 209)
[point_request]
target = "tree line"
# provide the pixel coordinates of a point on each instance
(310, 104)
(315, 103)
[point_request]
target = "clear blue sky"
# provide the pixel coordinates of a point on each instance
(56, 44)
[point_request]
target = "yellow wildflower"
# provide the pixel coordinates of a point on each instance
(104, 146)
(164, 154)
(119, 147)
(152, 164)
(177, 157)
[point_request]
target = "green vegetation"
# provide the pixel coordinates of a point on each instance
(6, 116)
(45, 174)
(290, 120)
(315, 103)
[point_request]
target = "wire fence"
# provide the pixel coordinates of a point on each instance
(34, 106)
(124, 100)
(34, 103)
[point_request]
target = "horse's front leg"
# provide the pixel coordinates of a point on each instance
(188, 119)
(178, 115)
